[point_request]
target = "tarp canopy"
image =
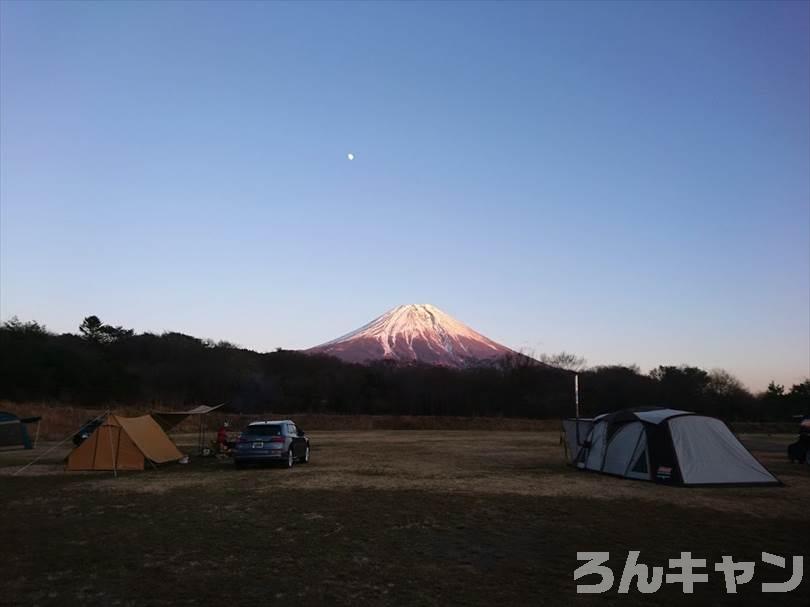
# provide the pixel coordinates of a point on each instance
(169, 419)
(124, 443)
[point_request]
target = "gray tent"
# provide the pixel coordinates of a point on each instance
(664, 446)
(13, 431)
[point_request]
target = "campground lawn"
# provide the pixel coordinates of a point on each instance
(383, 518)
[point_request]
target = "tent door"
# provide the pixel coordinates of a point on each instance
(639, 466)
(620, 449)
(596, 453)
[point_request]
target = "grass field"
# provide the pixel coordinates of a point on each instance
(382, 518)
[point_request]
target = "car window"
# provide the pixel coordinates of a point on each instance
(292, 430)
(263, 430)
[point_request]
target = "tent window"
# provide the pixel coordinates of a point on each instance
(641, 463)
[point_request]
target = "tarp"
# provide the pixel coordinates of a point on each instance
(124, 443)
(169, 419)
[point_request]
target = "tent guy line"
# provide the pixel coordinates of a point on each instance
(60, 443)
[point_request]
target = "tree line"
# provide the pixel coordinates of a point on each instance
(104, 364)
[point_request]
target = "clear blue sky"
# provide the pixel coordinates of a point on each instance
(630, 182)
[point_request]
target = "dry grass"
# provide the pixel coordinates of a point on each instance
(59, 421)
(378, 518)
(485, 463)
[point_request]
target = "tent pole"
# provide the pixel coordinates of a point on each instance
(576, 405)
(113, 454)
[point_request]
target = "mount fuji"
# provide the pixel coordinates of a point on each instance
(415, 333)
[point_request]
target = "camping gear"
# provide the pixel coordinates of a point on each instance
(169, 419)
(86, 430)
(800, 450)
(13, 431)
(124, 443)
(575, 431)
(664, 446)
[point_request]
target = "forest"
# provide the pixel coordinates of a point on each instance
(104, 365)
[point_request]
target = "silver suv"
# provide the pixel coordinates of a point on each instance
(272, 441)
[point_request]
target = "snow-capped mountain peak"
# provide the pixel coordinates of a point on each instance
(415, 332)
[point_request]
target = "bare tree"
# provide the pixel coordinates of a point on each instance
(724, 383)
(564, 360)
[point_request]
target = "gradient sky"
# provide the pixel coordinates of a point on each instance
(630, 182)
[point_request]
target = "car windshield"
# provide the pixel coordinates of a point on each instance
(263, 430)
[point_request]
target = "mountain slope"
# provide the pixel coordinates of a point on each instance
(415, 332)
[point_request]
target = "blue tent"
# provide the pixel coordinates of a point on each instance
(13, 430)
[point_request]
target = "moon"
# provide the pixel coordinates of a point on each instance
(350, 156)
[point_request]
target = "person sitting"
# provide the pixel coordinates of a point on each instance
(800, 450)
(223, 444)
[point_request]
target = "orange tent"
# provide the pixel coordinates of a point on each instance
(124, 443)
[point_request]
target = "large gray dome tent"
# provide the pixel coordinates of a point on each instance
(664, 446)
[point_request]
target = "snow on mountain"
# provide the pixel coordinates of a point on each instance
(415, 332)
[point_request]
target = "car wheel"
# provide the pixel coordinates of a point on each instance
(305, 459)
(290, 459)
